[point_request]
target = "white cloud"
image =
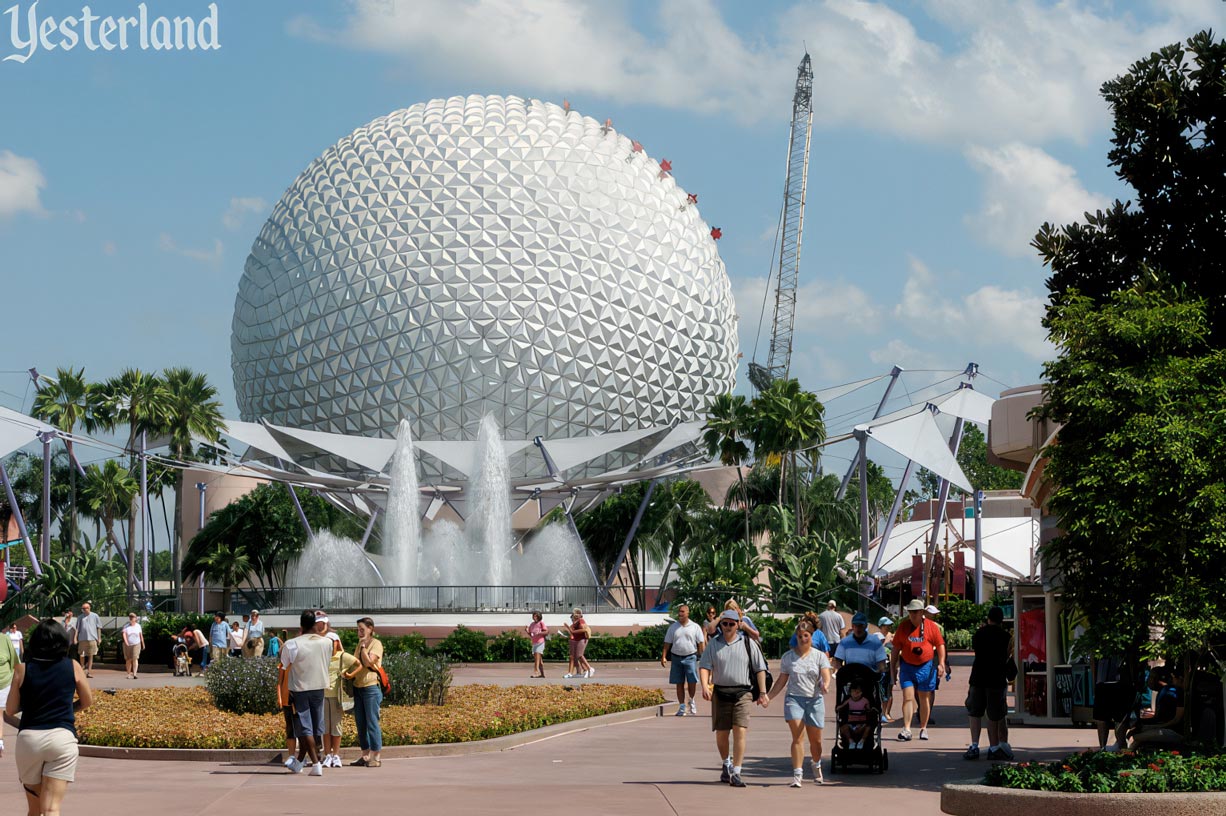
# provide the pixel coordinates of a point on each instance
(989, 316)
(822, 307)
(897, 352)
(212, 255)
(1025, 70)
(240, 208)
(21, 179)
(1023, 186)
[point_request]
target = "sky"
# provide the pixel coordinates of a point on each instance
(133, 182)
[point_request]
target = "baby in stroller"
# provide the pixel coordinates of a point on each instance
(854, 714)
(182, 663)
(858, 714)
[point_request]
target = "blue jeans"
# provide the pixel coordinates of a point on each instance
(366, 702)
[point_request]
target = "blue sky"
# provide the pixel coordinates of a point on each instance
(133, 183)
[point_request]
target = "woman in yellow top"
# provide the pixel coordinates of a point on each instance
(367, 694)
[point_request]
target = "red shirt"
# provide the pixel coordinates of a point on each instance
(926, 638)
(575, 626)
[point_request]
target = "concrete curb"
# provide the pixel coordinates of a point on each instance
(966, 799)
(265, 756)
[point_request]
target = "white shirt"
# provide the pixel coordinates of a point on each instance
(684, 639)
(804, 673)
(131, 634)
(17, 639)
(307, 657)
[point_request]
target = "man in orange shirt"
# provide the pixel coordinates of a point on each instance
(917, 660)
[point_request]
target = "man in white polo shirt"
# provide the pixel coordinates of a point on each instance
(307, 658)
(683, 644)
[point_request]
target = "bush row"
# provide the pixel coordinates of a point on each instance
(1125, 772)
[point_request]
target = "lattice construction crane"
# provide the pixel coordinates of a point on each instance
(779, 358)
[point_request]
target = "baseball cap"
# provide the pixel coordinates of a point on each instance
(859, 617)
(884, 621)
(730, 614)
(916, 605)
(255, 611)
(932, 610)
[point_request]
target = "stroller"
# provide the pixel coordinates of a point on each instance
(871, 755)
(182, 662)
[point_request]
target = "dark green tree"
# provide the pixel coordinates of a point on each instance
(1169, 145)
(1139, 468)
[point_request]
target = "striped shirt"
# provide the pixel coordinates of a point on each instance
(729, 663)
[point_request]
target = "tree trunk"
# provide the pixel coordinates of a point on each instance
(131, 564)
(177, 540)
(226, 593)
(801, 526)
(744, 501)
(72, 502)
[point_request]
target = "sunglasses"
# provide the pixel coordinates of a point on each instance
(729, 623)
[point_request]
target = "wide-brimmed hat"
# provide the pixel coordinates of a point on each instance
(730, 614)
(915, 606)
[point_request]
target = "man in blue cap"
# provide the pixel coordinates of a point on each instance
(858, 647)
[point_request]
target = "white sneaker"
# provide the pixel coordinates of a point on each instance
(590, 673)
(567, 676)
(335, 761)
(796, 780)
(817, 772)
(681, 710)
(293, 765)
(693, 709)
(923, 733)
(317, 769)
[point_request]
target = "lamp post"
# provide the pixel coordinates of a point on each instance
(201, 486)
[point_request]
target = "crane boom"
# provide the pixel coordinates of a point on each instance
(779, 358)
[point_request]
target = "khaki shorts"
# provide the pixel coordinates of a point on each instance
(725, 714)
(334, 716)
(88, 648)
(51, 753)
(131, 652)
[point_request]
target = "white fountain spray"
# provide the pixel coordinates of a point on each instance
(488, 526)
(402, 526)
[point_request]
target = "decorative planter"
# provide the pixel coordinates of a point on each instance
(968, 799)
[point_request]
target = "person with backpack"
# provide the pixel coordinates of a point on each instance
(731, 668)
(368, 694)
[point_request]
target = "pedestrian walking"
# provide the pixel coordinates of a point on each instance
(368, 694)
(683, 645)
(579, 633)
(731, 667)
(710, 626)
(15, 637)
(537, 632)
(89, 637)
(253, 639)
(307, 658)
(235, 640)
(133, 643)
(43, 692)
(886, 636)
(988, 683)
(832, 624)
(918, 658)
(219, 638)
(804, 673)
(858, 647)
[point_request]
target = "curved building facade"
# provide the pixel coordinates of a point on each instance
(482, 255)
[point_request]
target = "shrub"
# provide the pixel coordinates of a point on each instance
(244, 686)
(417, 679)
(1124, 772)
(508, 647)
(959, 614)
(959, 639)
(186, 717)
(464, 645)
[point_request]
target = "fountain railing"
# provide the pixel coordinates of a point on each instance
(440, 599)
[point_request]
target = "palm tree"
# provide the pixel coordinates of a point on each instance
(228, 567)
(192, 412)
(142, 401)
(66, 401)
(724, 436)
(784, 419)
(108, 493)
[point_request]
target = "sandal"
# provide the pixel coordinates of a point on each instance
(360, 762)
(375, 763)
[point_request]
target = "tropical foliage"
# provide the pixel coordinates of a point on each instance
(74, 577)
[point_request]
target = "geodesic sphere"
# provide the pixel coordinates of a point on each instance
(482, 255)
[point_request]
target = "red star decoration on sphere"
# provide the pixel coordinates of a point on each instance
(717, 233)
(635, 147)
(665, 165)
(693, 197)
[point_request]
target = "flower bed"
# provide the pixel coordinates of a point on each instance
(187, 718)
(1124, 772)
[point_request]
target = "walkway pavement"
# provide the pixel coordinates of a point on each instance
(663, 766)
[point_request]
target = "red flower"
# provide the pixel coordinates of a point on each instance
(1175, 753)
(1153, 766)
(1125, 773)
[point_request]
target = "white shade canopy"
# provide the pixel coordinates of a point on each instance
(18, 430)
(1009, 545)
(918, 438)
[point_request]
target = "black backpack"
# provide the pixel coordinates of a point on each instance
(753, 685)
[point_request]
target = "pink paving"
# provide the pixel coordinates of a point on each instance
(664, 765)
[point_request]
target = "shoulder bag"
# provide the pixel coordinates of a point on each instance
(753, 684)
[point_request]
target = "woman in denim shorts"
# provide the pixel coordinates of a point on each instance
(806, 673)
